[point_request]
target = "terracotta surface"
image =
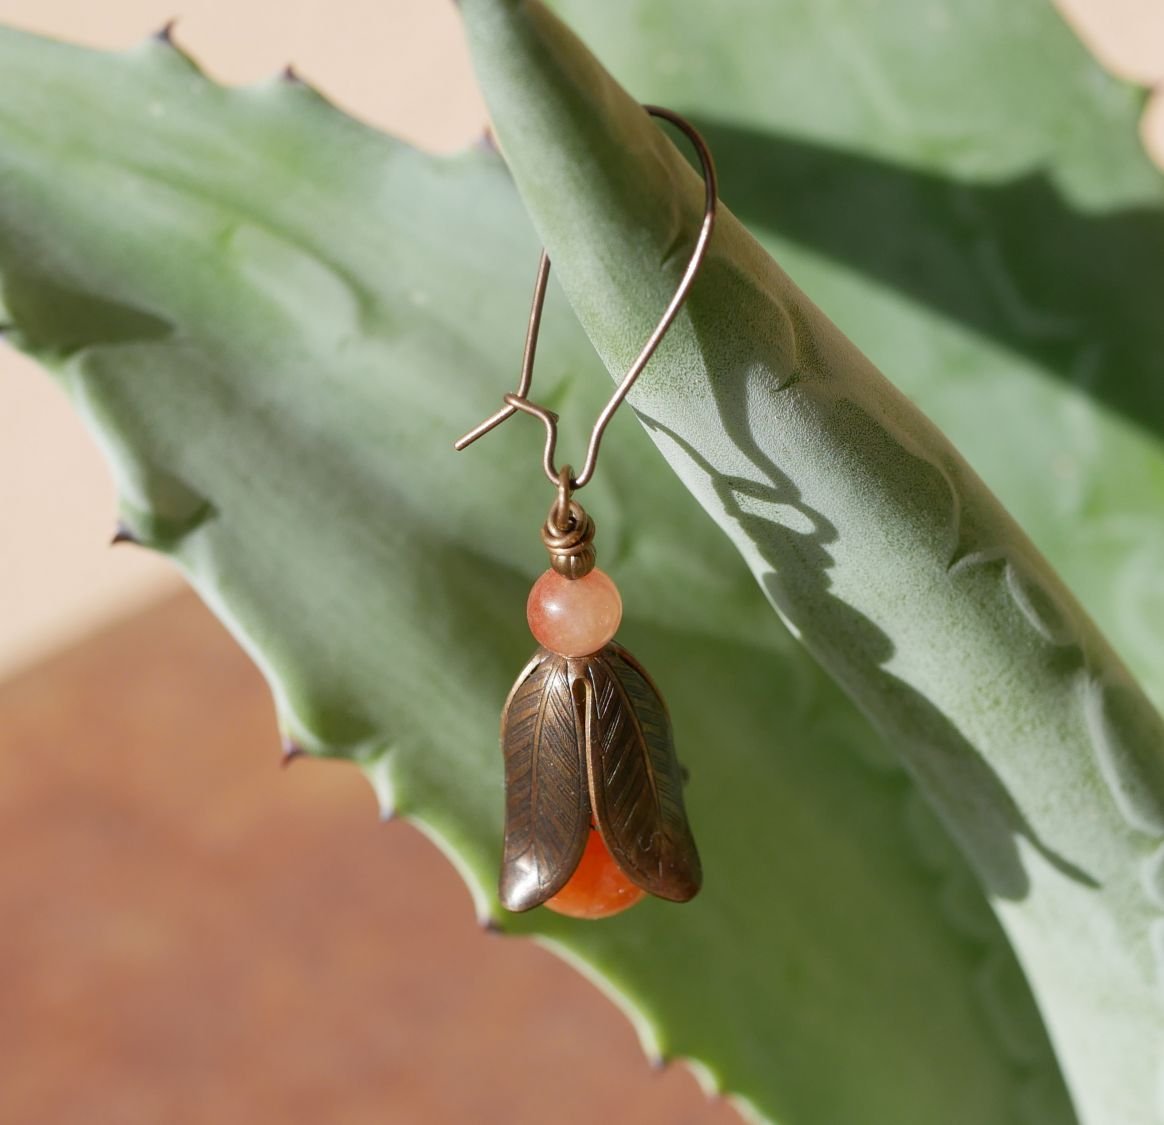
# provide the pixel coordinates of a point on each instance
(192, 934)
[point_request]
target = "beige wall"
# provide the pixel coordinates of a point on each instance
(58, 579)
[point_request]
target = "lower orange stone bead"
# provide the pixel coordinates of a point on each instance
(598, 888)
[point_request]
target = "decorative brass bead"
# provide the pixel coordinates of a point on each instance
(571, 547)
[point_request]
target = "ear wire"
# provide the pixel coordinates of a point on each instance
(520, 400)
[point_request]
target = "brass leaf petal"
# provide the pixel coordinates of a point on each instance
(636, 785)
(547, 807)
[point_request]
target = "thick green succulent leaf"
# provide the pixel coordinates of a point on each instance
(275, 320)
(879, 546)
(963, 190)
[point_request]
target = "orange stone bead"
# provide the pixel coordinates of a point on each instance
(598, 888)
(574, 617)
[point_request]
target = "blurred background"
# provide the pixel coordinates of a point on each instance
(188, 932)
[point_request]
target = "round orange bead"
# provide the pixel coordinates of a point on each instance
(598, 888)
(574, 617)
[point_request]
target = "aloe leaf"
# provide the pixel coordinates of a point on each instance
(964, 191)
(877, 544)
(275, 320)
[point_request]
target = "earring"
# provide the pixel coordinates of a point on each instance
(594, 816)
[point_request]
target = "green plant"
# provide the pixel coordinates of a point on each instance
(275, 319)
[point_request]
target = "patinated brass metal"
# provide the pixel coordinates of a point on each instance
(572, 549)
(568, 532)
(588, 739)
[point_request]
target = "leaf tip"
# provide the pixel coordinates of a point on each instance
(165, 33)
(291, 751)
(376, 771)
(291, 76)
(124, 534)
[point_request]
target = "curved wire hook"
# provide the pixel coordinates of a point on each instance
(520, 400)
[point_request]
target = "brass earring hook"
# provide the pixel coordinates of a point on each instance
(520, 401)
